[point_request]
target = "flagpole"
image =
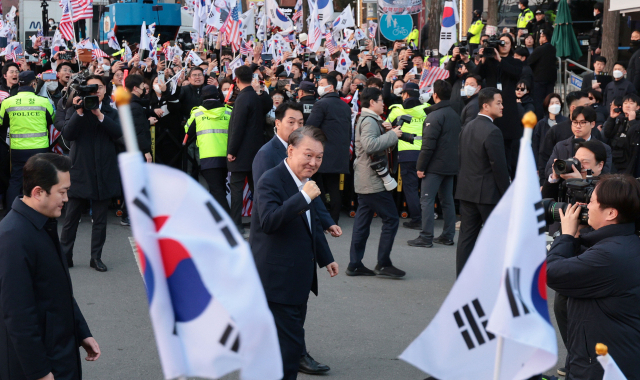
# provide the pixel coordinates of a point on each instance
(123, 98)
(75, 42)
(496, 369)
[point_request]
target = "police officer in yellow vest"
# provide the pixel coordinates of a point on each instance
(524, 18)
(28, 117)
(408, 153)
(210, 124)
(475, 30)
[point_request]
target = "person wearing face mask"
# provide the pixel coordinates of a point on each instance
(525, 102)
(306, 98)
(135, 85)
(524, 18)
(620, 86)
(553, 105)
(459, 67)
(633, 72)
(475, 30)
(407, 152)
(169, 132)
(472, 87)
(28, 134)
(333, 117)
(392, 88)
(595, 37)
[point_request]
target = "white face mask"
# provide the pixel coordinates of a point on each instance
(595, 14)
(397, 91)
(339, 86)
(106, 68)
(425, 97)
(618, 74)
(554, 109)
(469, 90)
(156, 88)
(322, 90)
(224, 93)
(52, 86)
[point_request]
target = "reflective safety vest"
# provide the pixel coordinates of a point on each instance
(413, 37)
(418, 117)
(212, 128)
(524, 18)
(27, 113)
(476, 30)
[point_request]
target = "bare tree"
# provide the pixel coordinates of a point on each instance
(610, 35)
(435, 15)
(305, 14)
(492, 13)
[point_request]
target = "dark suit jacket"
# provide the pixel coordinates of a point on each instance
(269, 156)
(483, 176)
(543, 63)
(564, 150)
(285, 249)
(246, 128)
(470, 110)
(333, 116)
(41, 326)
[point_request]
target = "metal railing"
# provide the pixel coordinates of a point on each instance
(567, 74)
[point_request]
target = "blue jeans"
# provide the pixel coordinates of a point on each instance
(368, 204)
(432, 185)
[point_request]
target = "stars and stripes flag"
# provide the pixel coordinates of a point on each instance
(430, 76)
(96, 52)
(12, 51)
(81, 9)
(232, 28)
(246, 48)
(53, 136)
(315, 36)
(297, 11)
(3, 95)
(247, 200)
(329, 44)
(66, 24)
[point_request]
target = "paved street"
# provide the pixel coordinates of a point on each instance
(358, 326)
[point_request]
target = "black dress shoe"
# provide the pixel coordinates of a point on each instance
(441, 240)
(360, 271)
(98, 265)
(420, 242)
(309, 366)
(413, 225)
(69, 262)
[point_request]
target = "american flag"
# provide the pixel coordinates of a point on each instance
(66, 24)
(3, 95)
(14, 49)
(290, 38)
(53, 136)
(330, 44)
(430, 76)
(96, 52)
(246, 48)
(81, 9)
(247, 200)
(232, 28)
(210, 29)
(297, 11)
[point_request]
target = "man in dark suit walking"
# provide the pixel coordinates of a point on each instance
(286, 240)
(289, 117)
(484, 176)
(246, 137)
(41, 325)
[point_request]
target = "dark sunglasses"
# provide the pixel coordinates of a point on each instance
(521, 89)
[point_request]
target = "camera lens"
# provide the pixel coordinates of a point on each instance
(560, 166)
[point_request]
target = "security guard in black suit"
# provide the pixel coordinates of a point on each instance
(307, 97)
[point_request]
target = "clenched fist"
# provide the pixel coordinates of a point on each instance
(312, 190)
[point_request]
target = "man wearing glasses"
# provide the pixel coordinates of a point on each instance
(583, 120)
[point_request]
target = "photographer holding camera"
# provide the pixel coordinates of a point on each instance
(374, 184)
(622, 128)
(93, 127)
(596, 269)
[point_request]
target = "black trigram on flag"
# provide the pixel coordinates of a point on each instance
(476, 322)
(225, 338)
(446, 35)
(541, 220)
(512, 282)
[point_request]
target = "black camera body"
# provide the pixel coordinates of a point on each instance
(360, 87)
(566, 166)
(577, 191)
(492, 43)
(89, 102)
(463, 46)
(399, 122)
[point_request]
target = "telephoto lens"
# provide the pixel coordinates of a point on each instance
(380, 167)
(566, 166)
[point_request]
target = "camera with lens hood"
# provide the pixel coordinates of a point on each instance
(577, 191)
(380, 165)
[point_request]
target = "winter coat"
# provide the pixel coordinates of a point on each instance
(440, 136)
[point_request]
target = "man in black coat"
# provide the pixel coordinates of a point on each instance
(246, 137)
(189, 95)
(94, 172)
(285, 241)
(307, 98)
(437, 166)
(483, 177)
(596, 268)
(289, 118)
(619, 86)
(543, 63)
(333, 117)
(472, 87)
(41, 326)
(140, 113)
(633, 70)
(459, 67)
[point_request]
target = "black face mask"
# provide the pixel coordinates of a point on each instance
(635, 43)
(144, 93)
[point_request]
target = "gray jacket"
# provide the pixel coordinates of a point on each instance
(370, 140)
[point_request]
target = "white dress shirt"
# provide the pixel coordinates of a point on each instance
(300, 185)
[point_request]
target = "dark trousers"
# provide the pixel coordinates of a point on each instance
(432, 185)
(472, 217)
(560, 310)
(368, 204)
(169, 148)
(217, 181)
(74, 207)
(329, 183)
(410, 184)
(19, 157)
(540, 91)
(236, 186)
(289, 320)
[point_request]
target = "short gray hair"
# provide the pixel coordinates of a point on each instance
(309, 131)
